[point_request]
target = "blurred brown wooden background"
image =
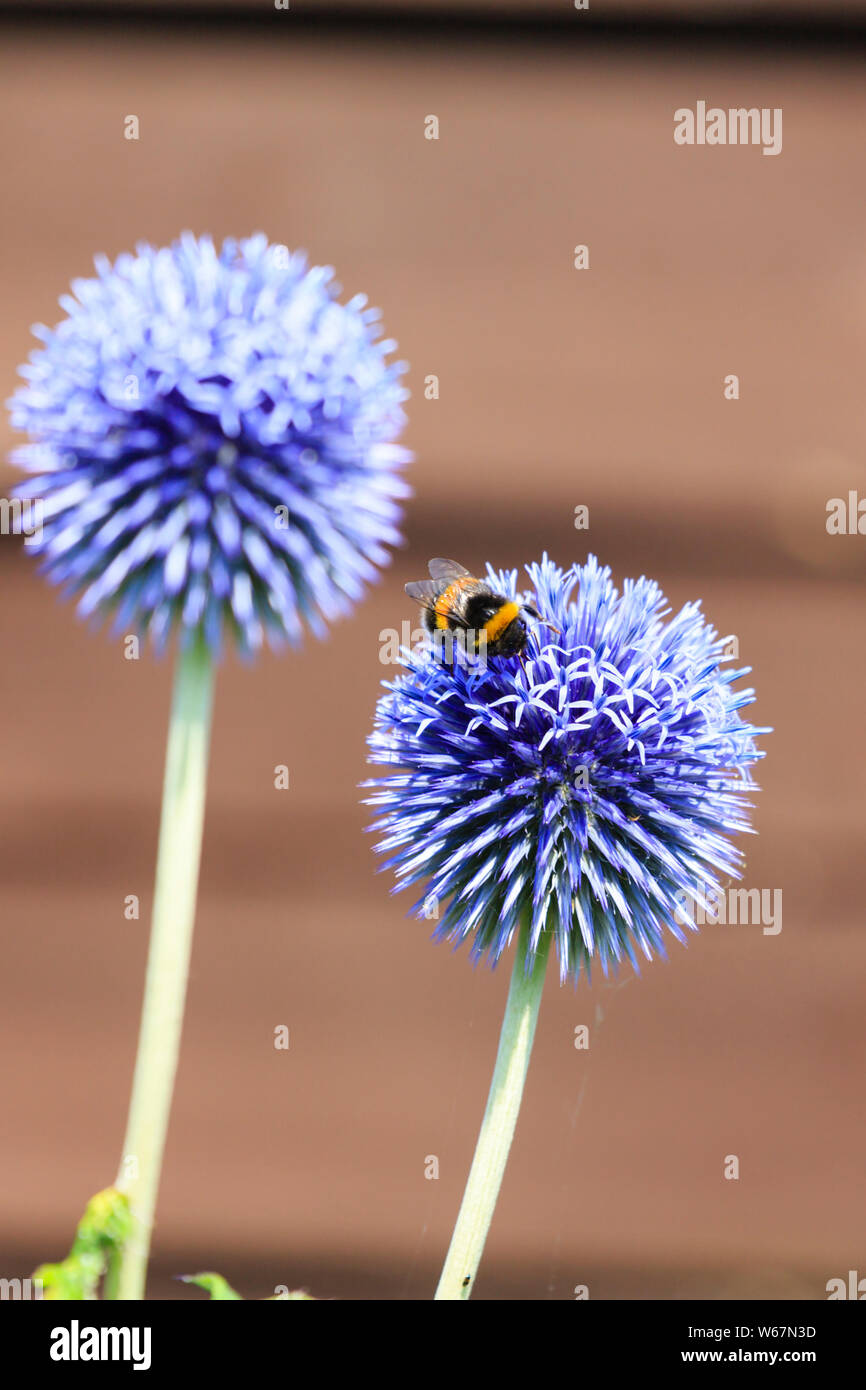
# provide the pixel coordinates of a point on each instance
(558, 387)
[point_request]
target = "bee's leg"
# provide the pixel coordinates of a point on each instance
(534, 613)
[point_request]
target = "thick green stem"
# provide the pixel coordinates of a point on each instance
(500, 1118)
(174, 901)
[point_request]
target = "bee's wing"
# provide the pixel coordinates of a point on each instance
(445, 570)
(426, 591)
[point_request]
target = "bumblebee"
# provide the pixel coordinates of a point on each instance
(453, 601)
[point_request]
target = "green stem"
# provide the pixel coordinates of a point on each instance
(177, 866)
(112, 1276)
(500, 1119)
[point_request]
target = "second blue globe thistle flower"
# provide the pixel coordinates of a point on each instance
(213, 443)
(592, 792)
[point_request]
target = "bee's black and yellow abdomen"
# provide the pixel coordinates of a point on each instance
(450, 606)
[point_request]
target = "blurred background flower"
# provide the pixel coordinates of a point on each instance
(212, 437)
(591, 791)
(213, 442)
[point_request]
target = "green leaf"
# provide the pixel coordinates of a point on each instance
(214, 1284)
(219, 1288)
(101, 1232)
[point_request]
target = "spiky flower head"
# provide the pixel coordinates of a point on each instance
(212, 434)
(592, 791)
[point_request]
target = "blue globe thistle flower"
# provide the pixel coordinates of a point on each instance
(592, 791)
(213, 443)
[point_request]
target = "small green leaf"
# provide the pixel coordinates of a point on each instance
(214, 1284)
(220, 1288)
(102, 1230)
